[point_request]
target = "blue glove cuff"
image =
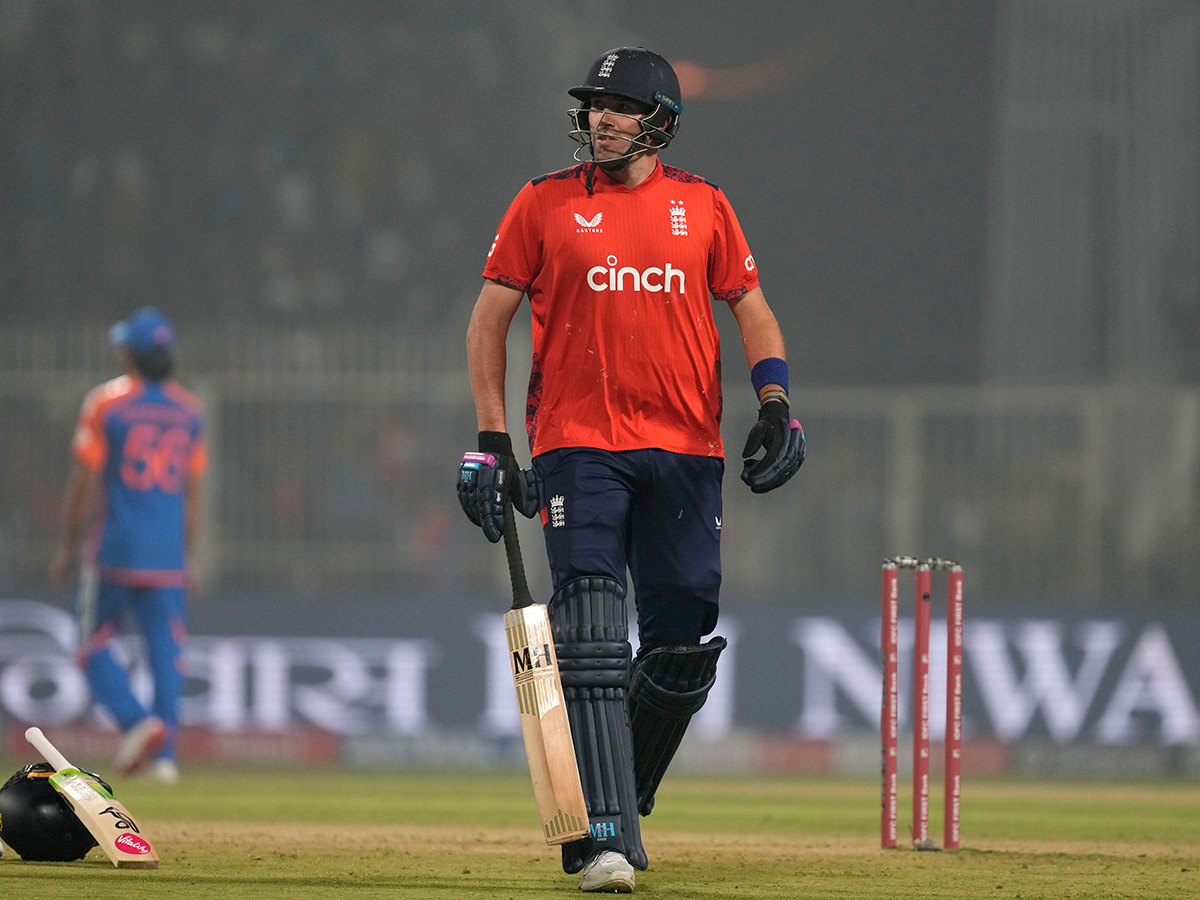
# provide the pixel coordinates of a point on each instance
(771, 370)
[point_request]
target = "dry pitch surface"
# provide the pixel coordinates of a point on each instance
(431, 835)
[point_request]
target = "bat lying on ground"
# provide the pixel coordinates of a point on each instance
(544, 724)
(105, 817)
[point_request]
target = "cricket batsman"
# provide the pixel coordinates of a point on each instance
(621, 258)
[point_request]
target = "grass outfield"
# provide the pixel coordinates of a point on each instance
(315, 834)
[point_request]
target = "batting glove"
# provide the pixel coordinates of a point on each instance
(782, 438)
(490, 478)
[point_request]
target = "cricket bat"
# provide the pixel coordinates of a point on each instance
(105, 817)
(544, 724)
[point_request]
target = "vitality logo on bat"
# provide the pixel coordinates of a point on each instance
(128, 843)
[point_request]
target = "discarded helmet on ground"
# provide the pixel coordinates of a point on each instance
(37, 822)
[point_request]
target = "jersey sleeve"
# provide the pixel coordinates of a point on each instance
(515, 257)
(198, 464)
(90, 444)
(197, 458)
(731, 267)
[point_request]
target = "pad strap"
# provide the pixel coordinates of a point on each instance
(591, 640)
(668, 687)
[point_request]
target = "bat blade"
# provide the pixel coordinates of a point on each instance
(110, 823)
(544, 725)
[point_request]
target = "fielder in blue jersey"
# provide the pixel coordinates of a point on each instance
(140, 454)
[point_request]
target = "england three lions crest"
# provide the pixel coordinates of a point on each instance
(679, 226)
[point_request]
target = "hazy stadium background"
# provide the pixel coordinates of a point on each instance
(978, 223)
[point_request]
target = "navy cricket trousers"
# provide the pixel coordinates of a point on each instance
(654, 513)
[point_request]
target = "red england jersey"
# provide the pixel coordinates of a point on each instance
(626, 354)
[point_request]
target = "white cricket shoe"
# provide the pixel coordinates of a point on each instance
(140, 743)
(164, 771)
(607, 872)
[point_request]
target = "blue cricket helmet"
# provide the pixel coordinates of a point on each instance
(640, 75)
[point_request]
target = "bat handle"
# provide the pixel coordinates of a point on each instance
(48, 750)
(516, 566)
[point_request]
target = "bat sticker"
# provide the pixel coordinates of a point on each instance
(121, 818)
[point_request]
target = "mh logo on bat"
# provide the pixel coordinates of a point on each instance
(532, 657)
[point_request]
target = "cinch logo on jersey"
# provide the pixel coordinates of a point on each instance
(651, 279)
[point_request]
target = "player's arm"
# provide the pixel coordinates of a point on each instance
(487, 478)
(776, 431)
(193, 506)
(77, 506)
(487, 359)
(761, 336)
(192, 511)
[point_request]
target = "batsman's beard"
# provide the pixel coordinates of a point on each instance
(616, 165)
(638, 145)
